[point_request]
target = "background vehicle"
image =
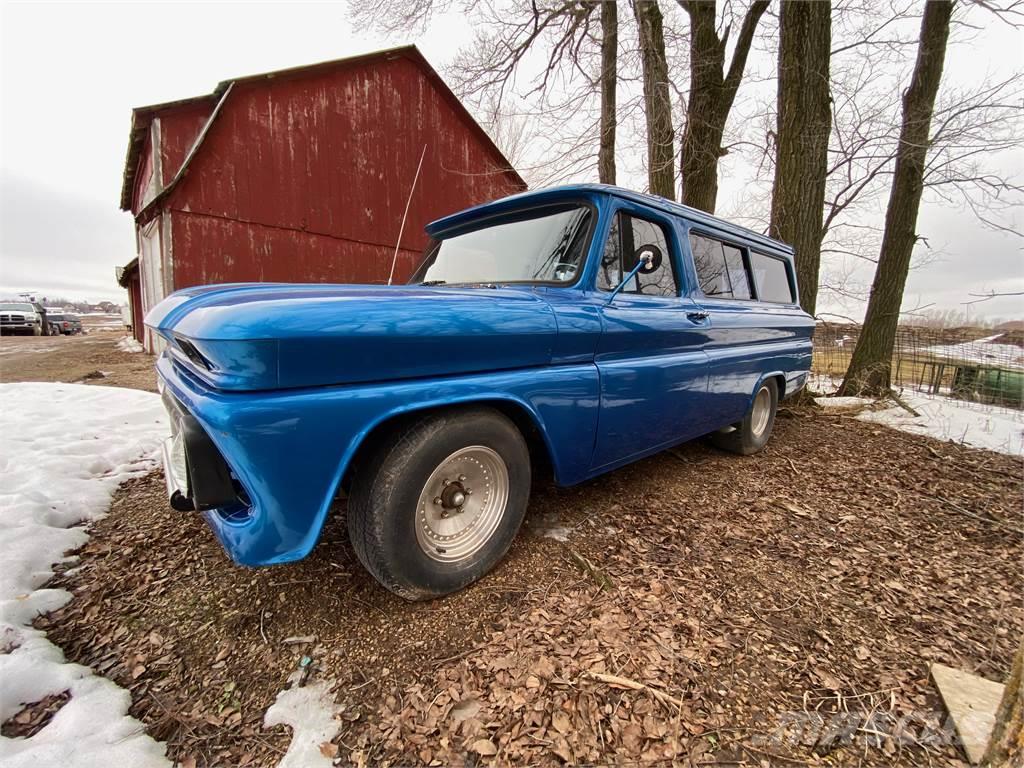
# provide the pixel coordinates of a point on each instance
(569, 331)
(63, 323)
(20, 317)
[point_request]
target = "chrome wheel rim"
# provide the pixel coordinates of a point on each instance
(461, 504)
(761, 411)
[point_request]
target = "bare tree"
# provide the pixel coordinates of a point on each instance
(609, 85)
(712, 92)
(657, 100)
(804, 125)
(869, 369)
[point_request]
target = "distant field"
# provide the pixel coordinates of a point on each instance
(102, 321)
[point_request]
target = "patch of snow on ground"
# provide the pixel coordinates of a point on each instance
(19, 350)
(66, 449)
(548, 526)
(310, 712)
(945, 418)
(829, 403)
(129, 344)
(973, 424)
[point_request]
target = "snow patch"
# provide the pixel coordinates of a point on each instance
(129, 344)
(310, 712)
(67, 448)
(549, 526)
(979, 426)
(944, 418)
(839, 403)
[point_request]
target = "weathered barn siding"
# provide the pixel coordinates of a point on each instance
(178, 130)
(135, 303)
(210, 249)
(325, 163)
(303, 175)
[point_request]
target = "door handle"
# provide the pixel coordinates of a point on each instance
(697, 317)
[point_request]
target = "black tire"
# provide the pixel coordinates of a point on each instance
(386, 488)
(742, 438)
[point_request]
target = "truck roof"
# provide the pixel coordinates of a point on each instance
(552, 194)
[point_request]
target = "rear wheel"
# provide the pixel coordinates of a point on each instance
(437, 503)
(751, 435)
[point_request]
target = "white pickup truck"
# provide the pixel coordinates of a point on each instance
(21, 317)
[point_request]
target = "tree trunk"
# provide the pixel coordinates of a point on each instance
(609, 81)
(657, 104)
(804, 126)
(712, 93)
(1008, 731)
(870, 366)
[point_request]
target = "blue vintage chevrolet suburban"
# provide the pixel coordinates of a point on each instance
(570, 330)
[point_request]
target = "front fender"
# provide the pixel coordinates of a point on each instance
(290, 449)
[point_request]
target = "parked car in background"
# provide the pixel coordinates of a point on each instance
(21, 317)
(570, 331)
(63, 323)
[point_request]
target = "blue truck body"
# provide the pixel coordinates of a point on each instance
(289, 382)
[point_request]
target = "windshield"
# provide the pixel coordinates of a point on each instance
(539, 246)
(16, 308)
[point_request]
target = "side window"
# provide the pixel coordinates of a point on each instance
(771, 278)
(628, 237)
(720, 268)
(737, 272)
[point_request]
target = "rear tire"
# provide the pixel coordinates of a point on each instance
(418, 544)
(751, 435)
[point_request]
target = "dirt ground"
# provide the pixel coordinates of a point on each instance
(704, 608)
(92, 358)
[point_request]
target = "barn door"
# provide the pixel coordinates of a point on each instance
(151, 270)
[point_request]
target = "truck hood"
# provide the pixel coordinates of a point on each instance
(270, 336)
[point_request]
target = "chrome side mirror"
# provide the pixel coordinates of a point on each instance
(645, 262)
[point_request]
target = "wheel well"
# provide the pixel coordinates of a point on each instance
(780, 384)
(540, 456)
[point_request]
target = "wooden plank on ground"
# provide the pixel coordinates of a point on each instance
(972, 702)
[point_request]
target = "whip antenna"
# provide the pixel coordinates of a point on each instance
(401, 230)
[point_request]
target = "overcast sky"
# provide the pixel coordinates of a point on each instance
(71, 73)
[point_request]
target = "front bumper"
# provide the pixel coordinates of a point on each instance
(198, 478)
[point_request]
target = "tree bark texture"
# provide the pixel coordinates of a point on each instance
(712, 92)
(870, 367)
(609, 82)
(804, 126)
(657, 104)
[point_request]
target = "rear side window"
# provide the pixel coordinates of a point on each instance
(628, 238)
(771, 279)
(720, 268)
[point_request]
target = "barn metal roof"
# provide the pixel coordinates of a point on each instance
(142, 117)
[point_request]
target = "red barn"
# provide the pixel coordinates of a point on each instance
(302, 175)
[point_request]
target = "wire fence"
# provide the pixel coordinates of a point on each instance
(974, 364)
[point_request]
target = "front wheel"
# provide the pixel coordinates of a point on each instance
(751, 435)
(438, 502)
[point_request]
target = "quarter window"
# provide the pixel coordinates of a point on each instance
(720, 268)
(771, 278)
(628, 239)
